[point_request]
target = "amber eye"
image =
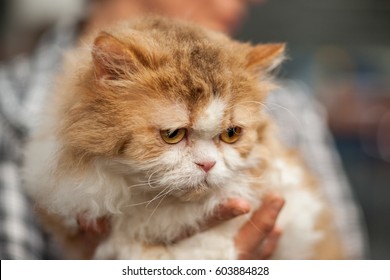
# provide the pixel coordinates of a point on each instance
(173, 136)
(230, 135)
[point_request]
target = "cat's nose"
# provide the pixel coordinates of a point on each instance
(206, 165)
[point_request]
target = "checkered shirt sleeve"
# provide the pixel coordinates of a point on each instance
(24, 84)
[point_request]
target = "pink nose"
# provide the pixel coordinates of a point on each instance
(206, 165)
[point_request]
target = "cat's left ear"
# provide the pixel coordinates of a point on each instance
(265, 57)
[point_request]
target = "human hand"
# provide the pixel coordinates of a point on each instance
(92, 233)
(257, 239)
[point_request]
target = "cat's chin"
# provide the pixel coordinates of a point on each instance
(193, 193)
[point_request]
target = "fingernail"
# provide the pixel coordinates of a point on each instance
(239, 212)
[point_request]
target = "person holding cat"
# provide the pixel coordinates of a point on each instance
(218, 16)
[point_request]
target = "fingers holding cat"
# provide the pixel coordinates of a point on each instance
(92, 233)
(230, 209)
(258, 238)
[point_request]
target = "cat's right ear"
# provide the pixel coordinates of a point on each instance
(111, 58)
(265, 57)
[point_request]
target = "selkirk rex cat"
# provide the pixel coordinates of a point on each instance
(156, 123)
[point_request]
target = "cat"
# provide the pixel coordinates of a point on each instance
(155, 123)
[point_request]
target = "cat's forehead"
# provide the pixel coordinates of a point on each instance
(205, 119)
(209, 119)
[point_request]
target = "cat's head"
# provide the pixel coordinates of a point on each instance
(175, 105)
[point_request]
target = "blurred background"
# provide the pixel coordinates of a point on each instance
(339, 48)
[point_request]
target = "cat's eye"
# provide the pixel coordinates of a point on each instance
(173, 136)
(230, 135)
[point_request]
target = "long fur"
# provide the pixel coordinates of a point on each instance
(99, 151)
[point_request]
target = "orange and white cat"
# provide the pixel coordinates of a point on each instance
(156, 123)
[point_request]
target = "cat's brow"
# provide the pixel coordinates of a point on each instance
(210, 119)
(170, 117)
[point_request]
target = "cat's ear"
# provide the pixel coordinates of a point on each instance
(265, 57)
(113, 58)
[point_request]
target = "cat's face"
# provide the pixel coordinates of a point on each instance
(188, 148)
(182, 114)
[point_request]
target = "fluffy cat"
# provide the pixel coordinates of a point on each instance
(156, 123)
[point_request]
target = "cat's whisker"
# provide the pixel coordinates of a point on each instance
(148, 201)
(159, 195)
(267, 106)
(289, 112)
(159, 203)
(137, 204)
(142, 184)
(256, 102)
(149, 182)
(150, 179)
(242, 104)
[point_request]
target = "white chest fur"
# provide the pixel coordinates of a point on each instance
(297, 221)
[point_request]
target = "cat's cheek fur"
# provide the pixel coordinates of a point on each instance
(227, 169)
(96, 193)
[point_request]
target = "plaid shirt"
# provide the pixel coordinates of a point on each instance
(24, 85)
